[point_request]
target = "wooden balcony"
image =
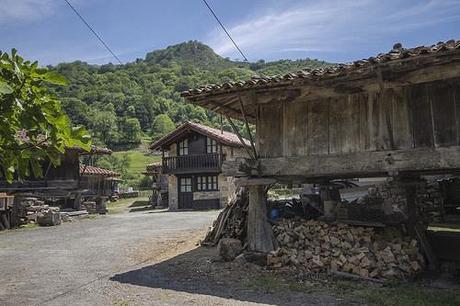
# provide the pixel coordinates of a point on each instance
(193, 163)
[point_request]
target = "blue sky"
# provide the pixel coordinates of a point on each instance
(333, 30)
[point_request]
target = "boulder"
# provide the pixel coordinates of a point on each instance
(229, 248)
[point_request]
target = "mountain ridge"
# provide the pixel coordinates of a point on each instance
(120, 104)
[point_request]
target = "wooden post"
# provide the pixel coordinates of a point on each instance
(260, 234)
(415, 227)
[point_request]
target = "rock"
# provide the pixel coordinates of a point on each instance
(229, 248)
(308, 254)
(415, 266)
(364, 272)
(334, 266)
(273, 260)
(49, 218)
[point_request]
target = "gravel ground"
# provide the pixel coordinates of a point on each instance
(129, 258)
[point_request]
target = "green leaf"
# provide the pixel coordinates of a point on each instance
(55, 78)
(5, 88)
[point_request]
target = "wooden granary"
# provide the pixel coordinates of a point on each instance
(394, 114)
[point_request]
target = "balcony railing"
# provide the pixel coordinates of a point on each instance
(190, 163)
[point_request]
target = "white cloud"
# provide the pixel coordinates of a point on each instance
(325, 25)
(15, 11)
(25, 10)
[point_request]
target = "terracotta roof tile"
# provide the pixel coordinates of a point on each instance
(397, 53)
(224, 137)
(91, 170)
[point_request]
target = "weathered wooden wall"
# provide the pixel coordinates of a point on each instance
(425, 115)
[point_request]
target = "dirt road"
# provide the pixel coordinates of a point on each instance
(129, 258)
(69, 262)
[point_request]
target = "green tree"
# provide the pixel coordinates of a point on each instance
(130, 131)
(33, 126)
(104, 125)
(162, 125)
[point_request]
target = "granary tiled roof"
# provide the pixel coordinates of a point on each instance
(224, 137)
(398, 53)
(91, 170)
(153, 168)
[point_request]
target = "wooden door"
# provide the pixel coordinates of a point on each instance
(185, 192)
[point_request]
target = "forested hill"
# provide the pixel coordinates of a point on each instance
(122, 103)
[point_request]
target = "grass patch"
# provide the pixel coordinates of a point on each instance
(368, 293)
(407, 294)
(139, 203)
(29, 225)
(124, 204)
(137, 161)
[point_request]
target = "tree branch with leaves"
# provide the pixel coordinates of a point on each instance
(33, 126)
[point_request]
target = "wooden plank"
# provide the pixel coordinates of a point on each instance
(420, 113)
(381, 120)
(357, 164)
(344, 125)
(364, 119)
(456, 93)
(318, 127)
(443, 107)
(270, 130)
(295, 129)
(402, 133)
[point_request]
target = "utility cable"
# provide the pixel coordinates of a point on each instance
(94, 32)
(225, 30)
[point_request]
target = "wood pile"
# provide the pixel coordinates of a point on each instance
(231, 222)
(316, 246)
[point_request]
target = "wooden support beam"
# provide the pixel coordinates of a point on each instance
(358, 164)
(246, 123)
(235, 130)
(260, 234)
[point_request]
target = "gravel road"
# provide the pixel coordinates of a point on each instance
(50, 265)
(129, 258)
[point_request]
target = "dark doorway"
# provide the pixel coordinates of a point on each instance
(185, 192)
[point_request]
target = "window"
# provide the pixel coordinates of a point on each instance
(206, 183)
(185, 184)
(211, 145)
(183, 147)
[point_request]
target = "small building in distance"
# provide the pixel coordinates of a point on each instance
(160, 184)
(192, 158)
(98, 184)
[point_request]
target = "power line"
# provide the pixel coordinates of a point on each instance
(225, 30)
(94, 32)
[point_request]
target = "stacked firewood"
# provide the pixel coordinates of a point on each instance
(231, 222)
(317, 246)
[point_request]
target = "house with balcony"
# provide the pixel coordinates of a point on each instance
(192, 156)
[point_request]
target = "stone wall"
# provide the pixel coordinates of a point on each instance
(206, 195)
(173, 197)
(428, 198)
(232, 152)
(227, 189)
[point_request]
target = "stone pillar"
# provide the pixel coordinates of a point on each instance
(260, 234)
(173, 196)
